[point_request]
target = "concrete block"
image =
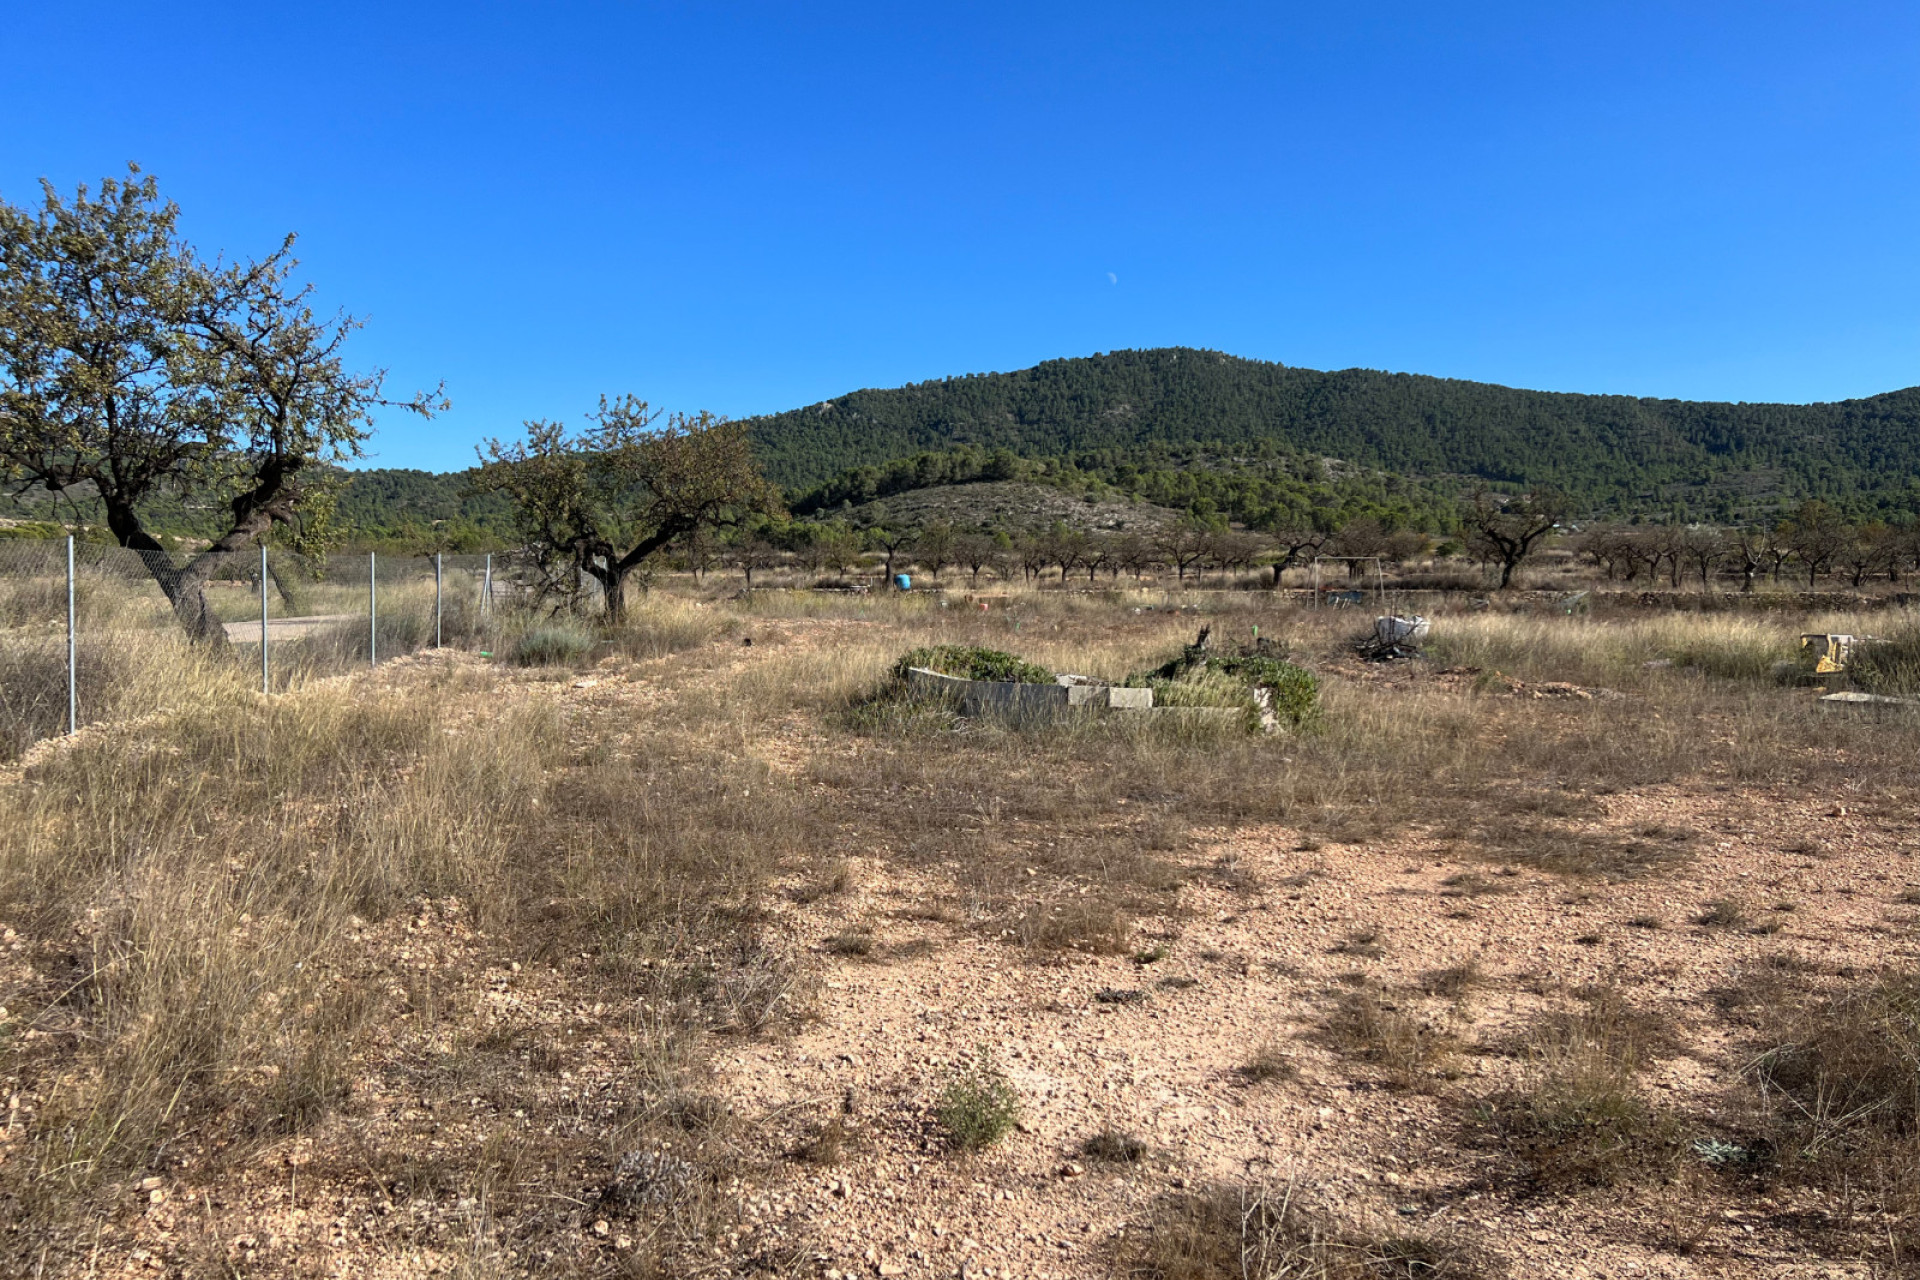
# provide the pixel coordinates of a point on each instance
(1022, 701)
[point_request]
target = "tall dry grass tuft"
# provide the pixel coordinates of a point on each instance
(1838, 1080)
(211, 877)
(1268, 1233)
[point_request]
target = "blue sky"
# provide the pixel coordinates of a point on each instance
(751, 207)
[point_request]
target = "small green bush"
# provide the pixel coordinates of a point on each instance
(1294, 691)
(969, 663)
(1228, 680)
(551, 645)
(978, 1106)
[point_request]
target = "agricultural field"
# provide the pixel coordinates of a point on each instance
(1577, 946)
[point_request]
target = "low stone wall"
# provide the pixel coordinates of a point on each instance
(1009, 701)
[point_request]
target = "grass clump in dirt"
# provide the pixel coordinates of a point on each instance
(553, 644)
(1578, 1118)
(1452, 982)
(977, 1106)
(1371, 1029)
(1564, 851)
(1091, 927)
(1839, 1087)
(969, 662)
(851, 942)
(1363, 941)
(1260, 1233)
(1722, 913)
(1269, 1062)
(1114, 1146)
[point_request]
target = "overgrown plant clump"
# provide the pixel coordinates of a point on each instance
(1579, 1118)
(968, 662)
(1273, 692)
(551, 645)
(1889, 666)
(978, 1106)
(1840, 1085)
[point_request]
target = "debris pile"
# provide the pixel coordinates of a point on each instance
(1394, 639)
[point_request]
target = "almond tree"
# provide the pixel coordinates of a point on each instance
(132, 371)
(601, 502)
(1506, 532)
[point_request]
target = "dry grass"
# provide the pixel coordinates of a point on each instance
(1269, 1061)
(1265, 1233)
(1114, 1146)
(1579, 1118)
(1838, 1082)
(221, 895)
(213, 881)
(1408, 1050)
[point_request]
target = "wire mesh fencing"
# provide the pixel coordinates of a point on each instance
(92, 632)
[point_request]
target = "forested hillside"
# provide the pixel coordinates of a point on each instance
(1226, 438)
(1614, 454)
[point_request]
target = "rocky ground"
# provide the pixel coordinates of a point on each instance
(1210, 1041)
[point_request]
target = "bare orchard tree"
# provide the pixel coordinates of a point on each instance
(601, 502)
(132, 368)
(752, 551)
(1296, 546)
(974, 552)
(935, 547)
(1816, 534)
(1703, 549)
(1505, 531)
(1184, 545)
(1748, 550)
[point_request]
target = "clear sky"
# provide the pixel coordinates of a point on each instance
(751, 207)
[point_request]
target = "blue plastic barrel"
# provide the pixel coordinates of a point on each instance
(903, 582)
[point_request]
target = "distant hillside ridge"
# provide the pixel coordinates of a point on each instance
(1616, 454)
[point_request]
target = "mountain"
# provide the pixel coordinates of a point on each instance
(1615, 454)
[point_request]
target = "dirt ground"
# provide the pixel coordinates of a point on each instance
(1270, 929)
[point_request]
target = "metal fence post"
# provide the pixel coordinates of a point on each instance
(263, 619)
(373, 613)
(436, 599)
(486, 592)
(73, 662)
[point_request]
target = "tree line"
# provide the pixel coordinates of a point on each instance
(1815, 540)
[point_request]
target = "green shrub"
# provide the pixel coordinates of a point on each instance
(969, 663)
(978, 1106)
(1294, 692)
(551, 645)
(1228, 680)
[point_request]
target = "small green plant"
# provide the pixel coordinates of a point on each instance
(978, 1106)
(970, 663)
(551, 645)
(1151, 955)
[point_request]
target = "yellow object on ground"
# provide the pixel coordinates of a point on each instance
(1825, 654)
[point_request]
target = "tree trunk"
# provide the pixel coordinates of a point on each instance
(185, 588)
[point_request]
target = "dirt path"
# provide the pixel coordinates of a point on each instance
(286, 628)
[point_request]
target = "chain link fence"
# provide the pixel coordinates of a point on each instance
(88, 632)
